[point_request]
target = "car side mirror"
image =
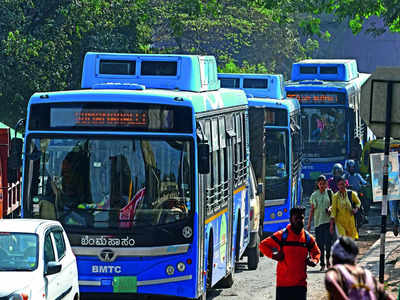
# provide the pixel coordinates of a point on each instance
(259, 188)
(203, 151)
(53, 267)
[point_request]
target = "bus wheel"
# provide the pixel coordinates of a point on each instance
(203, 296)
(226, 282)
(261, 236)
(253, 256)
(237, 242)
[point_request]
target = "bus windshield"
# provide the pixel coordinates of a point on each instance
(110, 183)
(277, 168)
(324, 131)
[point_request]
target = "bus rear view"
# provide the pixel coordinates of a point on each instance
(329, 92)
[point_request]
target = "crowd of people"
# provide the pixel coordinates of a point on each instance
(335, 206)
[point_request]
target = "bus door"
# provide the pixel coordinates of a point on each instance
(229, 159)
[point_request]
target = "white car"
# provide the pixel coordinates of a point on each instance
(36, 261)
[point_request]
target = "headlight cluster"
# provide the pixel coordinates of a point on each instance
(170, 270)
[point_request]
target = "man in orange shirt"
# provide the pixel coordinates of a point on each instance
(291, 247)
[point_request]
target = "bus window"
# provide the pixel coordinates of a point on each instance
(118, 183)
(277, 165)
(324, 129)
(230, 83)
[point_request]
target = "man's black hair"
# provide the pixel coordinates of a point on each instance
(350, 247)
(321, 178)
(341, 178)
(298, 210)
(348, 244)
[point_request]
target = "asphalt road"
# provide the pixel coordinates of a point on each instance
(248, 285)
(260, 284)
(255, 285)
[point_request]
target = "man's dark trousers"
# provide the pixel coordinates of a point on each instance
(291, 293)
(324, 241)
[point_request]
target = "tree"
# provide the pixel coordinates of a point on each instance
(235, 32)
(43, 43)
(353, 11)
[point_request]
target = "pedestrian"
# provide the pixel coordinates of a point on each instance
(355, 180)
(357, 183)
(394, 215)
(345, 204)
(337, 172)
(346, 280)
(294, 249)
(320, 202)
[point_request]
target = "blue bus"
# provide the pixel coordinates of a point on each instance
(329, 92)
(146, 168)
(275, 144)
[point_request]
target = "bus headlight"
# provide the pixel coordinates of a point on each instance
(170, 270)
(181, 267)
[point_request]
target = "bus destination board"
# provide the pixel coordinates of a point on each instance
(99, 116)
(96, 117)
(316, 97)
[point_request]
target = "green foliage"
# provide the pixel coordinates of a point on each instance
(43, 43)
(353, 11)
(243, 35)
(231, 67)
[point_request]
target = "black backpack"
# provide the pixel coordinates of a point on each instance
(360, 215)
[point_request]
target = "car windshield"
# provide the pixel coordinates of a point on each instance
(277, 160)
(324, 131)
(18, 251)
(110, 183)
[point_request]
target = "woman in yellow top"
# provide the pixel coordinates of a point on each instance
(342, 213)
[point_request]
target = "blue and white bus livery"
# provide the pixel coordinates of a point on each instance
(146, 168)
(329, 92)
(275, 144)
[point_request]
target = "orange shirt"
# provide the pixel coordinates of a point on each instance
(292, 270)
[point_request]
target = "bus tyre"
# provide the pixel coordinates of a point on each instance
(226, 282)
(261, 235)
(253, 256)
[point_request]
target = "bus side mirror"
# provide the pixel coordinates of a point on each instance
(203, 151)
(14, 161)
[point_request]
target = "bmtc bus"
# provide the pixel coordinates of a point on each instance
(275, 144)
(329, 92)
(146, 168)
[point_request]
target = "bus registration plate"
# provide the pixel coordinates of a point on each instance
(124, 284)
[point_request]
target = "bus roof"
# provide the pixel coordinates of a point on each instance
(335, 86)
(289, 104)
(325, 69)
(255, 85)
(201, 102)
(160, 71)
